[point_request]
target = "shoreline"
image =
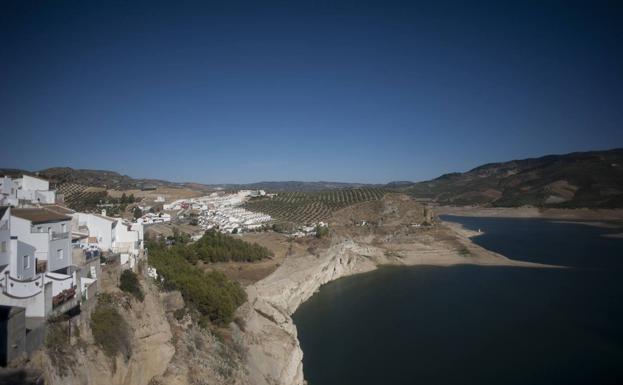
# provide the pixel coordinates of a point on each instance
(579, 215)
(274, 355)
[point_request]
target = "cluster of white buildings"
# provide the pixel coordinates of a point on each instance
(308, 230)
(25, 190)
(229, 219)
(110, 235)
(213, 200)
(151, 218)
(49, 254)
(223, 211)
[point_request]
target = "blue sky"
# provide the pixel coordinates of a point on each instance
(220, 92)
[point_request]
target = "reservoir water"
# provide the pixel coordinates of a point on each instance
(477, 325)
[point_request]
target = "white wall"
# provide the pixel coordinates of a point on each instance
(127, 237)
(26, 188)
(60, 282)
(31, 183)
(99, 228)
(35, 305)
(47, 197)
(45, 249)
(8, 192)
(21, 228)
(21, 288)
(20, 252)
(5, 235)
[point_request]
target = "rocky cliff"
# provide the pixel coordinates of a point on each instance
(84, 363)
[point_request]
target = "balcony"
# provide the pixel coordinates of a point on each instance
(54, 236)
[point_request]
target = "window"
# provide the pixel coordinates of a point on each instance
(3, 247)
(60, 253)
(64, 228)
(26, 262)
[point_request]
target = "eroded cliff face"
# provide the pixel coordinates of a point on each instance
(151, 349)
(274, 354)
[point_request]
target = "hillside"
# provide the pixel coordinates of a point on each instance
(117, 181)
(99, 178)
(583, 179)
(90, 178)
(309, 207)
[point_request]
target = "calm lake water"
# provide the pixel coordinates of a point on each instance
(477, 325)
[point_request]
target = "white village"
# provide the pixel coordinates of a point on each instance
(51, 257)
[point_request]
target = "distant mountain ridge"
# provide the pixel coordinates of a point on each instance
(94, 178)
(115, 180)
(591, 179)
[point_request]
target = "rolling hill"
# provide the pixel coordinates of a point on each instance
(582, 179)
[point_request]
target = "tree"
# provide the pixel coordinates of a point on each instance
(137, 212)
(128, 282)
(124, 199)
(321, 231)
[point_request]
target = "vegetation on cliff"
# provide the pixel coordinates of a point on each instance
(214, 296)
(128, 282)
(217, 247)
(110, 330)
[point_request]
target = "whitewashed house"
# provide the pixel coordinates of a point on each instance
(128, 241)
(99, 227)
(114, 235)
(48, 232)
(36, 261)
(8, 192)
(27, 190)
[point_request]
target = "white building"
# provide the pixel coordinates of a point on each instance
(150, 218)
(8, 192)
(36, 270)
(98, 226)
(113, 234)
(48, 232)
(28, 190)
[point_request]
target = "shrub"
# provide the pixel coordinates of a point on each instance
(129, 283)
(213, 295)
(464, 251)
(321, 231)
(137, 212)
(57, 336)
(217, 247)
(110, 331)
(57, 344)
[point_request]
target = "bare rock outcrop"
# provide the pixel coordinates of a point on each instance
(274, 354)
(151, 350)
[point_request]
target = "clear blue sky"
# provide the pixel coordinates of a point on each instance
(356, 91)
